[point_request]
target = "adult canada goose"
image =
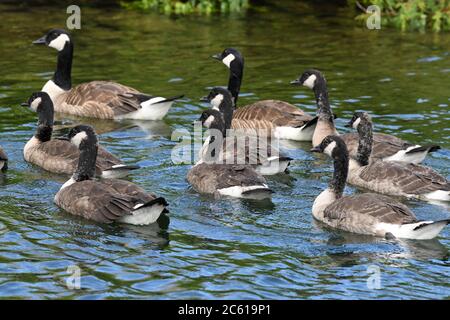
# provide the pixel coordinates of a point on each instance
(3, 160)
(222, 179)
(96, 99)
(59, 155)
(253, 150)
(367, 213)
(105, 200)
(385, 147)
(393, 178)
(269, 117)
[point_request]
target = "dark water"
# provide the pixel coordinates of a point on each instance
(219, 248)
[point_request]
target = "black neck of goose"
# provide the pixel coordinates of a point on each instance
(365, 143)
(226, 108)
(235, 80)
(337, 183)
(323, 104)
(86, 161)
(62, 76)
(45, 123)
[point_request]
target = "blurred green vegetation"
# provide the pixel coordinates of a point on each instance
(414, 15)
(187, 6)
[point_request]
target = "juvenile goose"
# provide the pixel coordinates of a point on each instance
(3, 160)
(222, 179)
(59, 155)
(96, 99)
(385, 147)
(367, 213)
(268, 117)
(393, 178)
(253, 150)
(106, 200)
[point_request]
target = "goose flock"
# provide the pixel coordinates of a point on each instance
(237, 153)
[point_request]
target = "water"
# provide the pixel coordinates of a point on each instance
(219, 248)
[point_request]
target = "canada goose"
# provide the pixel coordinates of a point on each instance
(106, 200)
(385, 147)
(222, 179)
(367, 213)
(393, 178)
(59, 155)
(253, 150)
(269, 117)
(96, 99)
(3, 160)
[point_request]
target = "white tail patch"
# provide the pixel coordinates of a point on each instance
(143, 216)
(403, 156)
(291, 133)
(440, 195)
(427, 230)
(274, 166)
(151, 110)
(239, 192)
(115, 174)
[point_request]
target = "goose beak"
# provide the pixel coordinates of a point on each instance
(217, 56)
(295, 82)
(315, 149)
(40, 40)
(348, 125)
(204, 99)
(24, 104)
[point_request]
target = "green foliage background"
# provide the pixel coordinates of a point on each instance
(417, 15)
(188, 6)
(411, 14)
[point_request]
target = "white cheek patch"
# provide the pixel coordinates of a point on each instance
(217, 101)
(59, 42)
(356, 123)
(310, 81)
(329, 149)
(208, 121)
(76, 140)
(35, 103)
(227, 60)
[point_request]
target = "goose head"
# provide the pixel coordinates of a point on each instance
(333, 146)
(82, 135)
(232, 58)
(39, 102)
(309, 78)
(55, 38)
(219, 97)
(358, 119)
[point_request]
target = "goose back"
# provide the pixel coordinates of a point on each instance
(208, 178)
(104, 201)
(363, 212)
